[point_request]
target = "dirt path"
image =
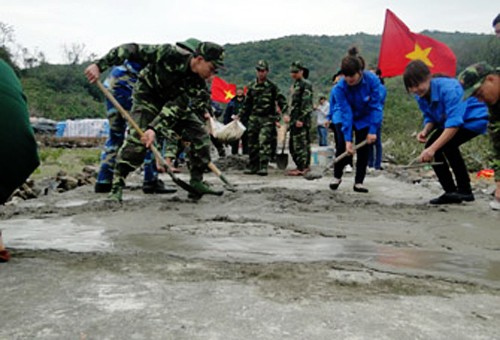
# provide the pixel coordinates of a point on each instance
(283, 258)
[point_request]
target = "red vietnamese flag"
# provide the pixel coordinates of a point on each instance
(400, 46)
(222, 92)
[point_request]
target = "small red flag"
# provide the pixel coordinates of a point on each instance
(400, 46)
(222, 92)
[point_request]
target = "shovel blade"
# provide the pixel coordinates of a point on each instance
(282, 161)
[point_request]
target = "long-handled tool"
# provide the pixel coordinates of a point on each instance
(344, 155)
(218, 173)
(223, 178)
(282, 158)
(157, 154)
(414, 164)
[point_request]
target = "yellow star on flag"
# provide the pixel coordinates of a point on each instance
(420, 54)
(229, 94)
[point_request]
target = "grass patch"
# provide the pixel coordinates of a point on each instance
(71, 160)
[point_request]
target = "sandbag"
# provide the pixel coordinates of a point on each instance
(226, 133)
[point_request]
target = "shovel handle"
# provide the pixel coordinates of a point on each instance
(345, 153)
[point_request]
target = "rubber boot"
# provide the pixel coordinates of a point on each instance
(263, 169)
(204, 189)
(116, 194)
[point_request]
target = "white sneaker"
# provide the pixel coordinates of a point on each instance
(495, 205)
(348, 168)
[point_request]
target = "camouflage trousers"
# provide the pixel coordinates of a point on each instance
(494, 132)
(261, 133)
(117, 127)
(181, 124)
(300, 146)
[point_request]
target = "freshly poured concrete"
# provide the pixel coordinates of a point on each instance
(283, 258)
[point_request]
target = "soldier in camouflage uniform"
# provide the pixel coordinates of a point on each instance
(169, 95)
(260, 108)
(300, 119)
(483, 81)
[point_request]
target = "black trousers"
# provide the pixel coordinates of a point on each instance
(361, 159)
(450, 155)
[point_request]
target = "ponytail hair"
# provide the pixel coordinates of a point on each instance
(352, 63)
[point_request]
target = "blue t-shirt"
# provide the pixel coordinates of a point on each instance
(360, 105)
(446, 109)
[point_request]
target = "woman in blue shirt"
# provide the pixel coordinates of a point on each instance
(452, 122)
(358, 98)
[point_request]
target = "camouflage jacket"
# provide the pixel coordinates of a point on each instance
(302, 102)
(166, 80)
(261, 101)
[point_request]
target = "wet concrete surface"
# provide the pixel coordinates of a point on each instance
(283, 258)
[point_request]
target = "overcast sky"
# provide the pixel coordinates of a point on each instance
(48, 25)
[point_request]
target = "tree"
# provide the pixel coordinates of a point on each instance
(75, 53)
(6, 34)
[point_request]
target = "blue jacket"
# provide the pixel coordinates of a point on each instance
(360, 104)
(446, 109)
(334, 115)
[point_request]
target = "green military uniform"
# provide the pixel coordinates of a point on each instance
(168, 96)
(260, 108)
(18, 149)
(301, 109)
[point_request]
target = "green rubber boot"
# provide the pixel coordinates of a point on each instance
(204, 189)
(116, 194)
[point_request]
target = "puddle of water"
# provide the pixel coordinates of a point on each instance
(259, 249)
(71, 203)
(59, 234)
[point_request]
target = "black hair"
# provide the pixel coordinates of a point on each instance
(352, 63)
(496, 20)
(378, 72)
(416, 72)
(322, 97)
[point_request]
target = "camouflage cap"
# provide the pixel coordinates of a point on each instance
(473, 76)
(262, 65)
(211, 52)
(296, 66)
(189, 44)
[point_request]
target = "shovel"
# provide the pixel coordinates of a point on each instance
(344, 155)
(157, 154)
(282, 158)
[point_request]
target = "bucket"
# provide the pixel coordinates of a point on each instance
(322, 155)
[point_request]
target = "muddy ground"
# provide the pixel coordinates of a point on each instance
(282, 258)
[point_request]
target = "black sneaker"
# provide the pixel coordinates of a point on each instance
(157, 187)
(466, 197)
(100, 188)
(358, 187)
(335, 183)
(446, 198)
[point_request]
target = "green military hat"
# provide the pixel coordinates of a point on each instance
(262, 65)
(189, 44)
(297, 66)
(211, 52)
(473, 76)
